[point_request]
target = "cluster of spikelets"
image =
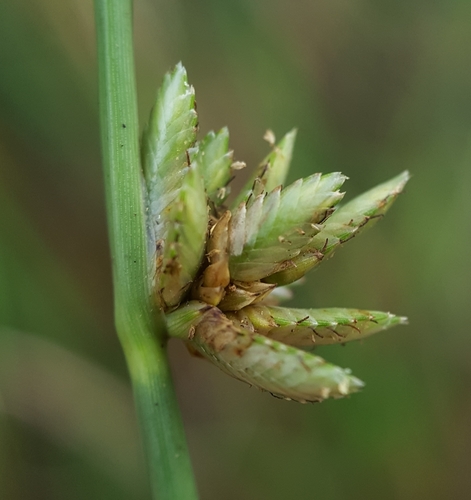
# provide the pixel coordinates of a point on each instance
(218, 270)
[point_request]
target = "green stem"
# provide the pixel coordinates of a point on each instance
(141, 333)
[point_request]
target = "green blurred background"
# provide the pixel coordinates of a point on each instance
(375, 87)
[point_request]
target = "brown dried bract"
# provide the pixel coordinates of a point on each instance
(216, 277)
(240, 294)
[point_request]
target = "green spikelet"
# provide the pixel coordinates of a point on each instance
(170, 132)
(176, 233)
(270, 230)
(348, 221)
(309, 328)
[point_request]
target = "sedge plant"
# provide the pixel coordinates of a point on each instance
(218, 269)
(193, 261)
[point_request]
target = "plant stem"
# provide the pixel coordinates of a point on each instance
(141, 333)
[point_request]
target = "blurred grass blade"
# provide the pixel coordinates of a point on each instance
(308, 328)
(31, 364)
(215, 159)
(171, 131)
(272, 366)
(268, 231)
(186, 240)
(345, 223)
(273, 170)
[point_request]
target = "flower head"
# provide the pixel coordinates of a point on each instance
(218, 270)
